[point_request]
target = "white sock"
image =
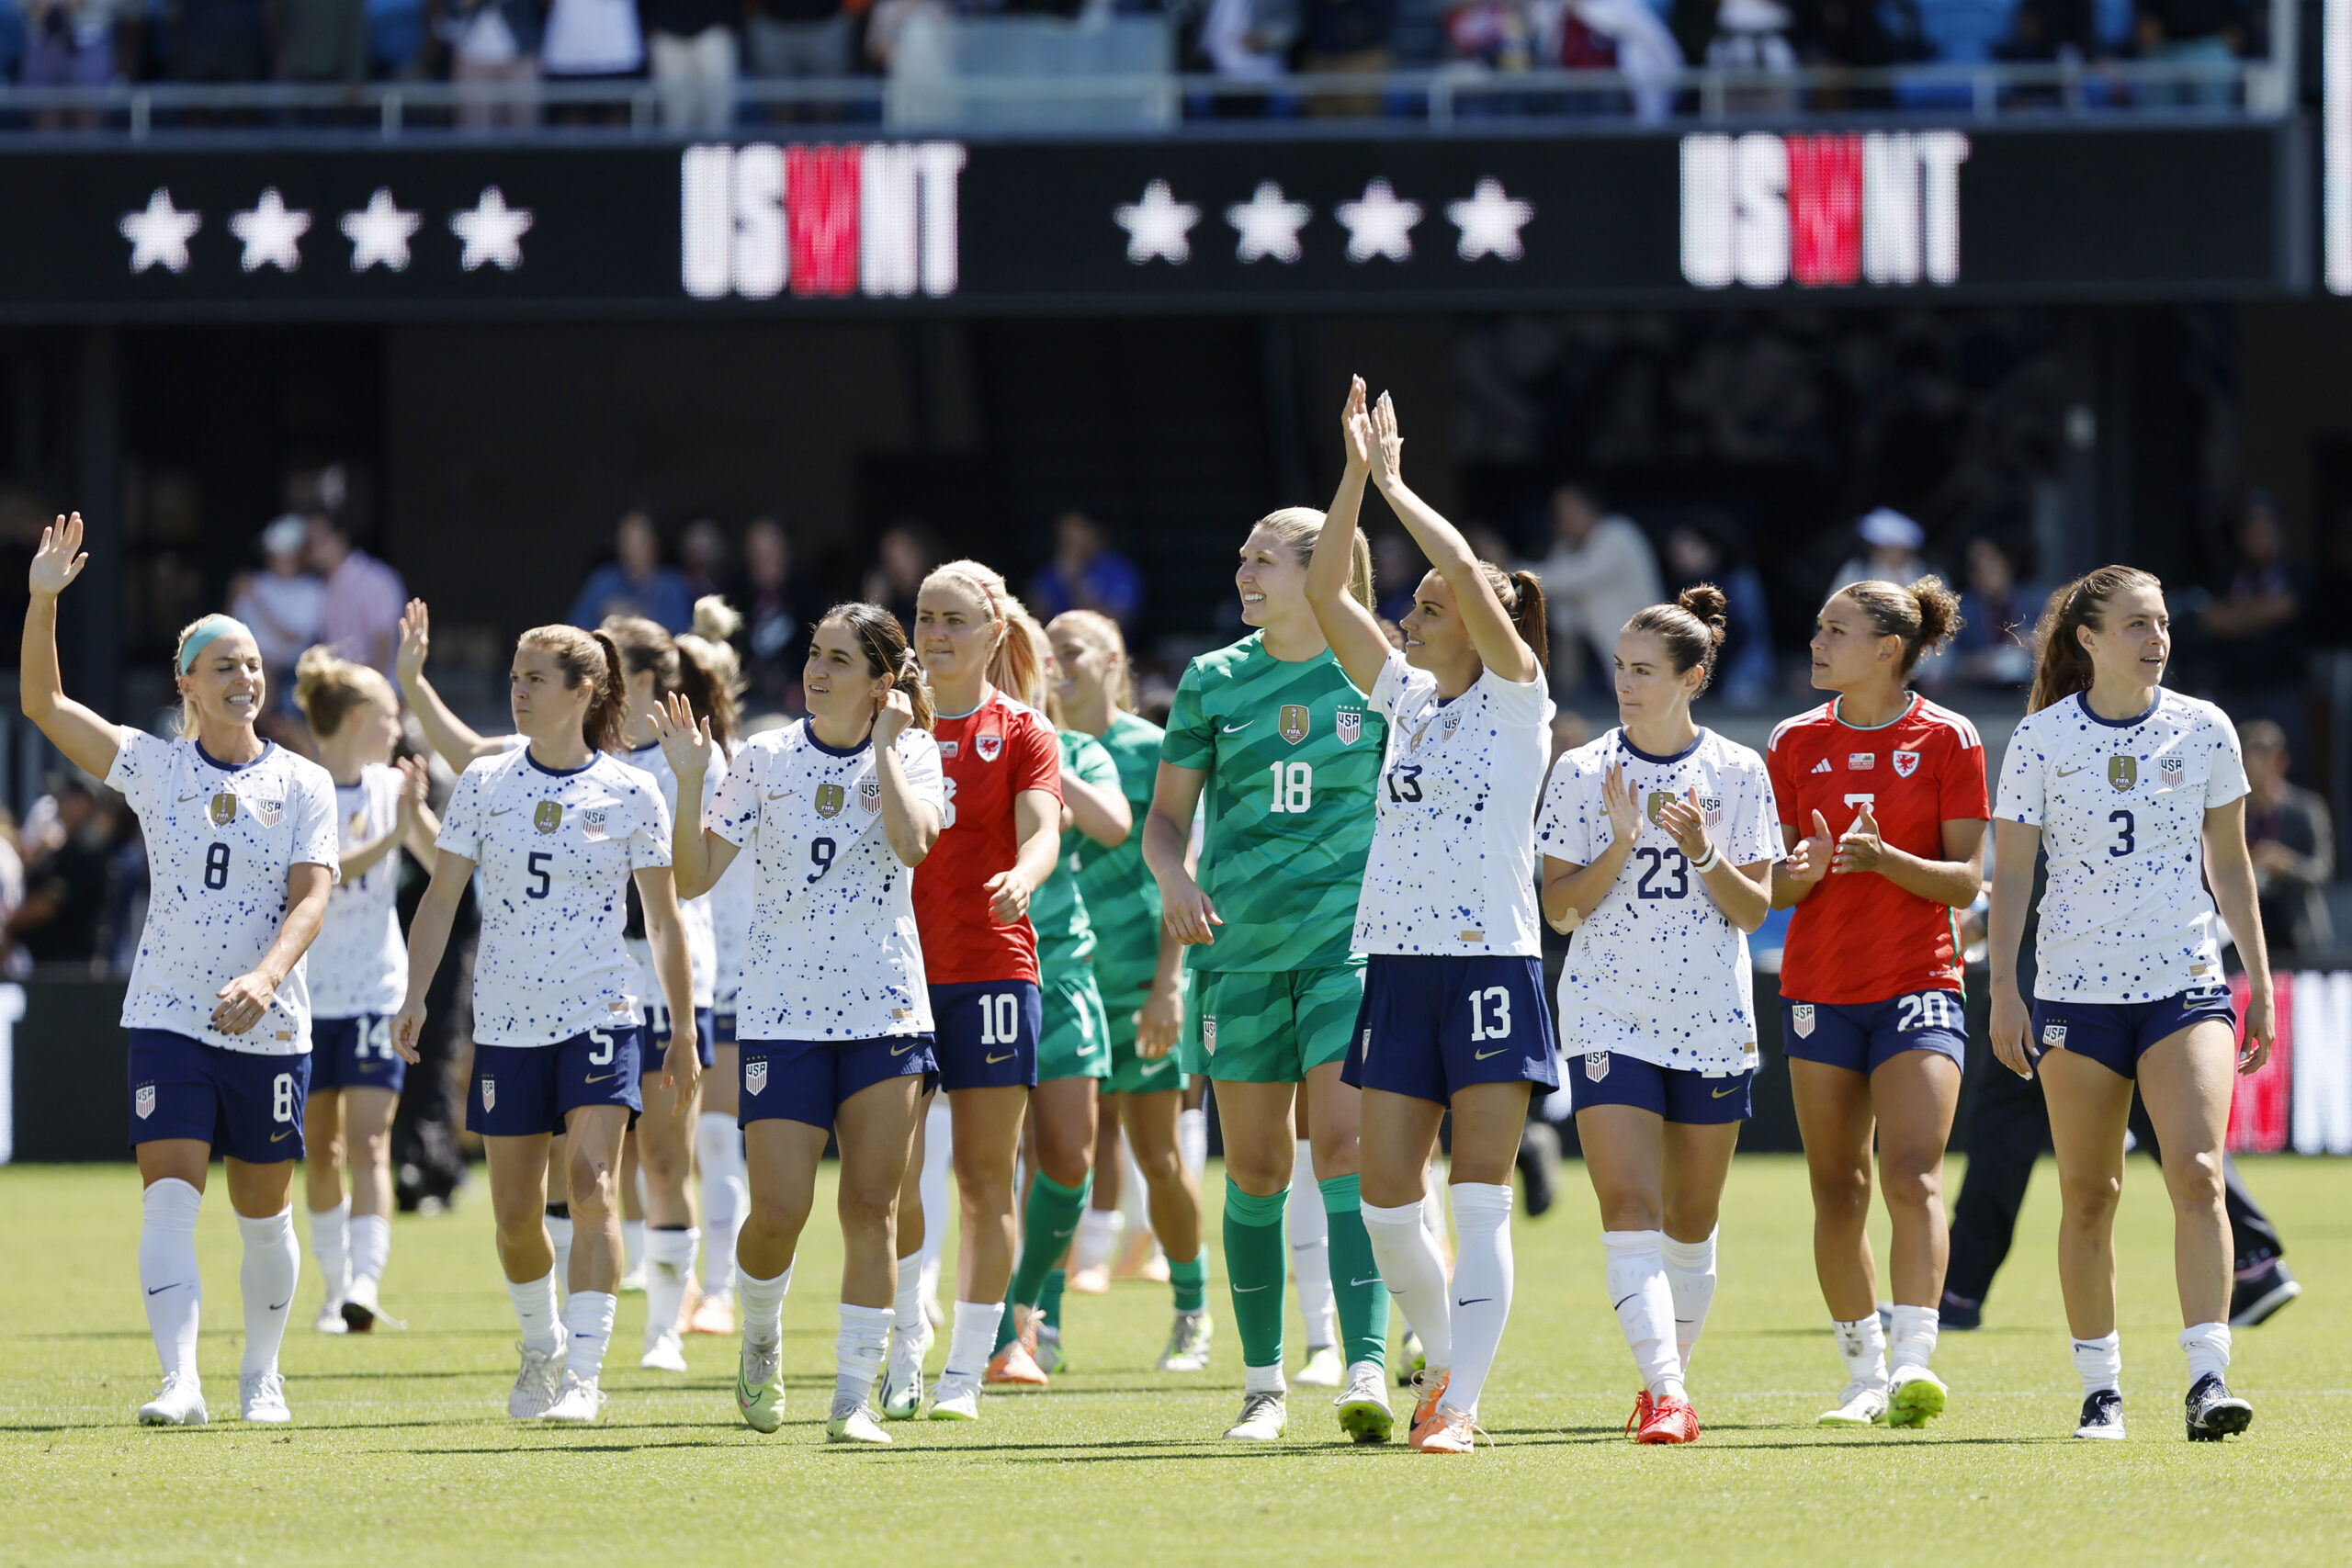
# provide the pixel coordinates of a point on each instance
(972, 1341)
(1310, 1248)
(1861, 1345)
(760, 1305)
(1098, 1234)
(1434, 1190)
(167, 1271)
(669, 1264)
(559, 1235)
(2099, 1362)
(1483, 1275)
(371, 1245)
(271, 1265)
(1416, 1277)
(588, 1316)
(725, 1197)
(2207, 1348)
(938, 1151)
(1263, 1380)
(1690, 1275)
(1914, 1340)
(858, 1349)
(1135, 1194)
(1193, 1139)
(535, 1310)
(632, 1245)
(1644, 1303)
(907, 1317)
(330, 1244)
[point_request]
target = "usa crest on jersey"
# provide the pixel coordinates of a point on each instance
(1905, 763)
(1710, 807)
(1294, 722)
(593, 823)
(1350, 726)
(490, 1094)
(1209, 1036)
(869, 793)
(1801, 1018)
(2169, 771)
(755, 1076)
(1596, 1065)
(271, 812)
(143, 1102)
(2053, 1035)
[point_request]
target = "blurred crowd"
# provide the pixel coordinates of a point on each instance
(694, 53)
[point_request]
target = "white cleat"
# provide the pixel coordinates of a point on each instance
(580, 1403)
(902, 1375)
(853, 1421)
(537, 1384)
(666, 1354)
(261, 1396)
(179, 1403)
(362, 1313)
(1863, 1405)
(632, 1282)
(1188, 1344)
(1323, 1370)
(955, 1399)
(1363, 1407)
(330, 1319)
(1915, 1396)
(1264, 1418)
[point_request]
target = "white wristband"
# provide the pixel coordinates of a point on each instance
(1714, 858)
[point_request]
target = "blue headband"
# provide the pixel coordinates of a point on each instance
(206, 630)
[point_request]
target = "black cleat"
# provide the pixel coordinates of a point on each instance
(2214, 1411)
(2102, 1416)
(1960, 1314)
(2258, 1300)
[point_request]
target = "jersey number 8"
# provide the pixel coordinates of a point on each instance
(216, 867)
(1293, 785)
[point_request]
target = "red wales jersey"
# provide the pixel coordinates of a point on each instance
(990, 755)
(1860, 937)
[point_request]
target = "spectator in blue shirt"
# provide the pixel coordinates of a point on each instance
(634, 582)
(1087, 574)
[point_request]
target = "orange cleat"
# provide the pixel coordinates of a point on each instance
(1427, 1392)
(1456, 1432)
(1641, 1416)
(1017, 1363)
(712, 1315)
(1670, 1421)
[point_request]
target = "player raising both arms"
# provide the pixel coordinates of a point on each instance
(833, 1021)
(558, 829)
(1882, 811)
(1453, 1015)
(1658, 840)
(1139, 968)
(241, 854)
(2131, 789)
(1287, 752)
(358, 970)
(1001, 840)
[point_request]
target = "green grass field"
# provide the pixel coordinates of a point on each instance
(401, 1455)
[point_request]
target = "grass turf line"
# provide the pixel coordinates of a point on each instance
(401, 1454)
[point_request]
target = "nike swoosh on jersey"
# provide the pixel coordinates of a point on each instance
(1238, 728)
(782, 794)
(1146, 1069)
(500, 810)
(281, 1137)
(2069, 772)
(184, 800)
(994, 1060)
(1482, 1055)
(597, 1078)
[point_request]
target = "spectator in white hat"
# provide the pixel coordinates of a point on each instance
(283, 602)
(1890, 550)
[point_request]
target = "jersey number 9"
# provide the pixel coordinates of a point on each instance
(820, 850)
(216, 867)
(1293, 785)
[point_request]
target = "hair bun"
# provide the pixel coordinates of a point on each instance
(1938, 610)
(715, 619)
(1707, 604)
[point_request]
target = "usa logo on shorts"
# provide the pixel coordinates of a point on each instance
(490, 1094)
(755, 1077)
(1801, 1018)
(1208, 1035)
(144, 1102)
(1905, 763)
(1596, 1064)
(2054, 1035)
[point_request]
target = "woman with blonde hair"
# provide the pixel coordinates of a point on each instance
(358, 970)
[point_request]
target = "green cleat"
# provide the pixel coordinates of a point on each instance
(759, 1386)
(1914, 1398)
(1365, 1414)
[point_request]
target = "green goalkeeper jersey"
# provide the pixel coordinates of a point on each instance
(1065, 931)
(1121, 897)
(1293, 752)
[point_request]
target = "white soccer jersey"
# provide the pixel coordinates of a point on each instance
(730, 918)
(1453, 863)
(832, 953)
(359, 964)
(555, 851)
(219, 841)
(694, 914)
(2121, 805)
(1657, 972)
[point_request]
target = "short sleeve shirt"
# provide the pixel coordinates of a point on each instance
(358, 966)
(1122, 896)
(1065, 934)
(988, 756)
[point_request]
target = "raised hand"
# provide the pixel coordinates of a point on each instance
(1355, 429)
(1388, 448)
(416, 640)
(1860, 848)
(60, 558)
(416, 784)
(685, 742)
(1809, 857)
(1686, 824)
(1624, 807)
(892, 714)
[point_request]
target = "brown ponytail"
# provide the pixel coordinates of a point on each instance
(711, 679)
(1692, 629)
(1522, 597)
(327, 688)
(884, 642)
(591, 660)
(1924, 614)
(2062, 665)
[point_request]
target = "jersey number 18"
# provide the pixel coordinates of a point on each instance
(1293, 785)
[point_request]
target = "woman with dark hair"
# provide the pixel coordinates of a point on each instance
(2139, 795)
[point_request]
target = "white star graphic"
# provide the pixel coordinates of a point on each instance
(272, 232)
(379, 232)
(1490, 222)
(492, 232)
(1269, 226)
(159, 235)
(1379, 225)
(1158, 225)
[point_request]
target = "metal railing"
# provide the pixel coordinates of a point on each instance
(1452, 98)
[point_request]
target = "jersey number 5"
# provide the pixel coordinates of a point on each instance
(1293, 785)
(545, 884)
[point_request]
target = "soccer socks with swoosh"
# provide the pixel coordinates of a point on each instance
(1645, 1303)
(1356, 1285)
(1257, 1259)
(1690, 1275)
(330, 1244)
(1047, 1222)
(588, 1316)
(273, 1262)
(1416, 1276)
(1483, 1276)
(167, 1271)
(1310, 1249)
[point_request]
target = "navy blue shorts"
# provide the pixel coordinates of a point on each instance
(1862, 1037)
(247, 1107)
(356, 1052)
(657, 1038)
(1431, 1024)
(810, 1080)
(986, 1034)
(1678, 1094)
(722, 1026)
(2117, 1034)
(520, 1091)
